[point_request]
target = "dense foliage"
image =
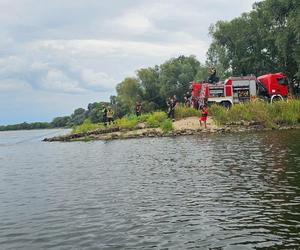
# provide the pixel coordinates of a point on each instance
(265, 40)
(269, 115)
(153, 85)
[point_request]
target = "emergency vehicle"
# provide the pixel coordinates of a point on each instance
(235, 90)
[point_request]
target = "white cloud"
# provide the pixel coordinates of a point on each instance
(111, 48)
(12, 64)
(132, 23)
(88, 46)
(97, 79)
(56, 80)
(13, 85)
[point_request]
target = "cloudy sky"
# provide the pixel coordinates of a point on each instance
(58, 55)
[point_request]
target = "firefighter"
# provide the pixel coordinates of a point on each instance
(104, 116)
(110, 115)
(138, 109)
(213, 76)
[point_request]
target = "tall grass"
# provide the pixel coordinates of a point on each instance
(268, 115)
(182, 112)
(86, 127)
(151, 120)
(155, 119)
(166, 125)
(126, 123)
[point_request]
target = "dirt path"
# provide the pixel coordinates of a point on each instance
(192, 123)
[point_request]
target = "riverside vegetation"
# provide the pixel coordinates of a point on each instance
(256, 115)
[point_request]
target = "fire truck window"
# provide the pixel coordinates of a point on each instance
(282, 81)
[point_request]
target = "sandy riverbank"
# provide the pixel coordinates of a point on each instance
(186, 126)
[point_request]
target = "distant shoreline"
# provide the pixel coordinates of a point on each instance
(14, 130)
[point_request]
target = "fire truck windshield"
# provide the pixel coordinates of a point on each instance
(282, 81)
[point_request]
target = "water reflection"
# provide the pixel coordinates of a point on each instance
(209, 192)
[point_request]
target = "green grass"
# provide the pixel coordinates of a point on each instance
(127, 123)
(155, 119)
(269, 115)
(183, 112)
(166, 126)
(86, 127)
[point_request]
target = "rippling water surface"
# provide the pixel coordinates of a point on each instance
(237, 191)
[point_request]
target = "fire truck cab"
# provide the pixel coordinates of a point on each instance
(274, 86)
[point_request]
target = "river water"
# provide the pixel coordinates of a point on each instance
(231, 191)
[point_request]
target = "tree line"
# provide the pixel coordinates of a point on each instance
(93, 114)
(264, 40)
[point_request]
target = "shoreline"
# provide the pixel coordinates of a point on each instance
(186, 126)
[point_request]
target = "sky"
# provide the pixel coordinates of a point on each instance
(59, 55)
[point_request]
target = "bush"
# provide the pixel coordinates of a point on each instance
(269, 115)
(183, 112)
(126, 123)
(155, 119)
(143, 117)
(166, 125)
(219, 114)
(86, 127)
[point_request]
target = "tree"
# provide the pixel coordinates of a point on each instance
(129, 91)
(150, 85)
(78, 116)
(60, 122)
(267, 39)
(176, 74)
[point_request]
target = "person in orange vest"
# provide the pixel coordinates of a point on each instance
(204, 114)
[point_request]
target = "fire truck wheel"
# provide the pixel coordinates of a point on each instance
(226, 104)
(276, 98)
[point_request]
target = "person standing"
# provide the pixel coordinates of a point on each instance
(204, 114)
(173, 103)
(104, 115)
(169, 105)
(187, 99)
(138, 108)
(110, 115)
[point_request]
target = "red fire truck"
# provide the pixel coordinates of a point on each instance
(234, 90)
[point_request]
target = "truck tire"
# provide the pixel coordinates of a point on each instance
(276, 98)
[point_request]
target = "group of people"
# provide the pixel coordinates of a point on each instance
(189, 101)
(192, 101)
(107, 115)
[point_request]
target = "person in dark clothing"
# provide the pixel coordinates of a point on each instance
(110, 115)
(171, 103)
(213, 76)
(138, 108)
(104, 116)
(187, 99)
(175, 101)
